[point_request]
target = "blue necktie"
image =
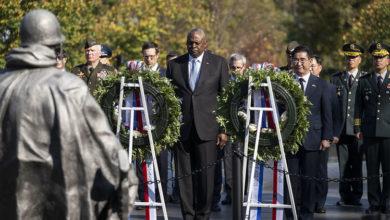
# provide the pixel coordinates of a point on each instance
(193, 74)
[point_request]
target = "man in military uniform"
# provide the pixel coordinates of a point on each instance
(93, 70)
(290, 48)
(348, 147)
(372, 123)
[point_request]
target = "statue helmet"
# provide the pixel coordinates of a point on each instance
(40, 27)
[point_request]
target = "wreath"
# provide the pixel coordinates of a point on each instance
(292, 105)
(163, 108)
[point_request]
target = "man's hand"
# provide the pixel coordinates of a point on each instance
(335, 140)
(359, 135)
(325, 144)
(221, 140)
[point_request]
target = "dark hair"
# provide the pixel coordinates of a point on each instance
(149, 45)
(302, 48)
(318, 59)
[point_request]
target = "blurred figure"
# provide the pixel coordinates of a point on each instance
(58, 156)
(349, 148)
(290, 48)
(62, 57)
(105, 55)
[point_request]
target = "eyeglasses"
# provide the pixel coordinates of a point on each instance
(236, 67)
(149, 56)
(296, 61)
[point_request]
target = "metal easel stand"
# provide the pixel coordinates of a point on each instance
(275, 117)
(143, 109)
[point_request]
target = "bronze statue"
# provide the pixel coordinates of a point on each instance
(58, 156)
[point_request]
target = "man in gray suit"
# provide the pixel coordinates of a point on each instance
(199, 77)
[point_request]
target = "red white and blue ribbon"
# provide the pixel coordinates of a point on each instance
(261, 99)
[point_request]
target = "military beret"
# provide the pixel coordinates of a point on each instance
(291, 46)
(89, 43)
(106, 51)
(379, 49)
(352, 50)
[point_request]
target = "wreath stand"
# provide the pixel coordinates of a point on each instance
(143, 109)
(275, 118)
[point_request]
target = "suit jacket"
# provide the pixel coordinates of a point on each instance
(336, 116)
(320, 118)
(199, 106)
(372, 107)
(346, 100)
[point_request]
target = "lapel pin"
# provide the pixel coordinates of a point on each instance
(314, 85)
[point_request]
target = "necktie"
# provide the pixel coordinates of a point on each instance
(380, 81)
(350, 80)
(301, 81)
(193, 74)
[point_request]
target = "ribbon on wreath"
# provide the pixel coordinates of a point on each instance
(261, 99)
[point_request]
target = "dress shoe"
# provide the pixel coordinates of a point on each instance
(320, 210)
(354, 203)
(227, 200)
(372, 210)
(215, 208)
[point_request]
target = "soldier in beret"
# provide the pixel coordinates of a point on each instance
(106, 54)
(349, 147)
(93, 70)
(372, 123)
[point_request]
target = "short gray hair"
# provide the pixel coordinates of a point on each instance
(237, 57)
(199, 31)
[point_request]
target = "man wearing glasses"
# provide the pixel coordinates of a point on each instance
(349, 150)
(150, 54)
(318, 137)
(372, 124)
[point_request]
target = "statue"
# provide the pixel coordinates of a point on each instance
(58, 156)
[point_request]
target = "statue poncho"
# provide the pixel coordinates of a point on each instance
(58, 156)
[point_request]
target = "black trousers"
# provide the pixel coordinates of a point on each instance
(196, 191)
(378, 155)
(218, 178)
(349, 152)
(228, 167)
(304, 163)
(162, 161)
(322, 186)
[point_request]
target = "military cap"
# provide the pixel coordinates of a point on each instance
(106, 51)
(291, 46)
(89, 43)
(379, 49)
(352, 50)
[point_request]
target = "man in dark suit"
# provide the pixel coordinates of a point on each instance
(349, 150)
(150, 54)
(319, 136)
(372, 123)
(322, 186)
(199, 77)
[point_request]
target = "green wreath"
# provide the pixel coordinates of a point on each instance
(164, 113)
(231, 112)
